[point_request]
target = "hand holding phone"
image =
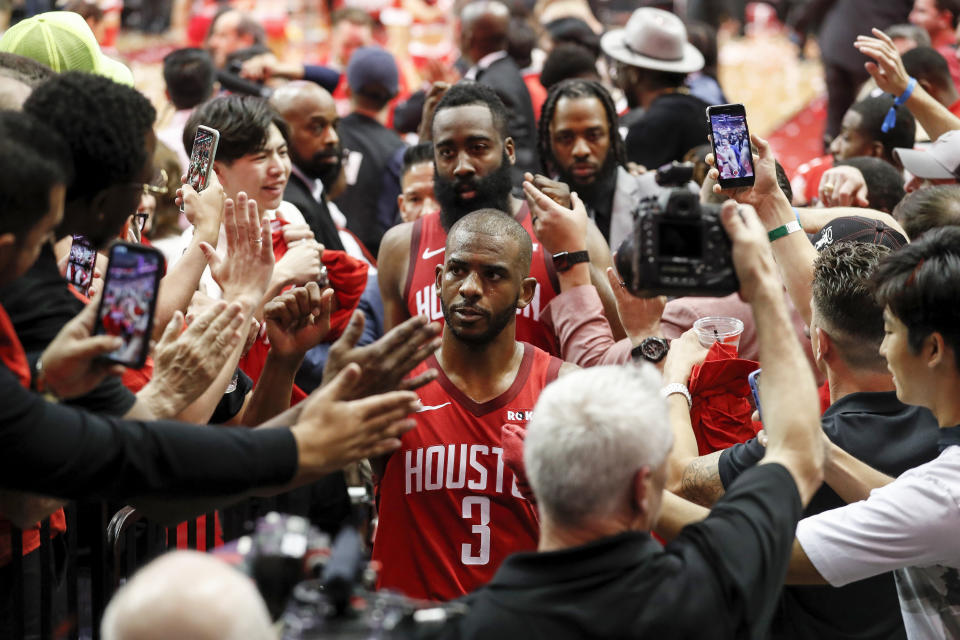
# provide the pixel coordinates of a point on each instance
(129, 301)
(201, 158)
(730, 138)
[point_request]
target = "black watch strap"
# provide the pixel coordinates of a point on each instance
(565, 260)
(650, 349)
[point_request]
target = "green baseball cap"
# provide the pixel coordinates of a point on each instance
(63, 41)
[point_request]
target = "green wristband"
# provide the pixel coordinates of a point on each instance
(784, 230)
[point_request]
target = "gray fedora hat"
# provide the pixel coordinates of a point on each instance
(653, 39)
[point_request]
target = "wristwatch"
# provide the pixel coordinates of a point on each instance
(651, 349)
(565, 260)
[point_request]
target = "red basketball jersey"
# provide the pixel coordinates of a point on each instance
(450, 511)
(427, 243)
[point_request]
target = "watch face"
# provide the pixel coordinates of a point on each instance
(653, 349)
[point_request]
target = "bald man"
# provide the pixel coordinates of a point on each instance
(450, 511)
(314, 147)
(483, 42)
(186, 594)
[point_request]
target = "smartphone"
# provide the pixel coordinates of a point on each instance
(201, 158)
(129, 301)
(754, 380)
(80, 264)
(730, 138)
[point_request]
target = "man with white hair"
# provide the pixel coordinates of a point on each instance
(187, 594)
(596, 457)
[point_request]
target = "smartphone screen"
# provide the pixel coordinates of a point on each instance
(80, 264)
(731, 145)
(201, 157)
(754, 380)
(129, 301)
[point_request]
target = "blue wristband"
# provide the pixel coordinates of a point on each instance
(891, 118)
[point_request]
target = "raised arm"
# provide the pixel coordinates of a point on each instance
(890, 75)
(793, 252)
(788, 393)
(205, 212)
(577, 315)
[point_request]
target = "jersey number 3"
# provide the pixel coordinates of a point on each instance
(482, 529)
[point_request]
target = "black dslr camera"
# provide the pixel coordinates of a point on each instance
(678, 246)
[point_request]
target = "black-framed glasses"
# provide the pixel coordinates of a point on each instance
(140, 219)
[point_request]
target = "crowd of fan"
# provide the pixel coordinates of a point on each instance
(417, 286)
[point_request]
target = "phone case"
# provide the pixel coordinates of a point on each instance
(129, 301)
(733, 158)
(202, 157)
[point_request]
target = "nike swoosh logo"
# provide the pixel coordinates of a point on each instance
(427, 254)
(429, 408)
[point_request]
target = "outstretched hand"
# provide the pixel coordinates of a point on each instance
(244, 271)
(387, 361)
(334, 431)
(188, 361)
(71, 363)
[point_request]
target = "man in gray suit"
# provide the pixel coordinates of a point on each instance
(579, 144)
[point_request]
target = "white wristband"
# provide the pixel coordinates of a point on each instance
(676, 387)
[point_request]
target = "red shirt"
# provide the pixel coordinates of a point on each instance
(806, 181)
(450, 510)
(427, 242)
(15, 359)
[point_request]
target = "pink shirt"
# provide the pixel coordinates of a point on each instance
(576, 316)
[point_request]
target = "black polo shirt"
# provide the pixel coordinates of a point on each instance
(889, 436)
(718, 579)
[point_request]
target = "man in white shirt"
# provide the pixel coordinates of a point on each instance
(911, 524)
(252, 158)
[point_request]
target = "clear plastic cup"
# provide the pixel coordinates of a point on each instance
(719, 329)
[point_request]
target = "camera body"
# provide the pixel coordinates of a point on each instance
(678, 248)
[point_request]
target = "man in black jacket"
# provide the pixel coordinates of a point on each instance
(653, 59)
(483, 42)
(315, 150)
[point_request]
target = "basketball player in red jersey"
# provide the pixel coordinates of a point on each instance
(450, 510)
(473, 156)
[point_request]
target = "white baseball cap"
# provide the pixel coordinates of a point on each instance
(939, 161)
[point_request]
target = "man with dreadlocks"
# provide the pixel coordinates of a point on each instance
(578, 144)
